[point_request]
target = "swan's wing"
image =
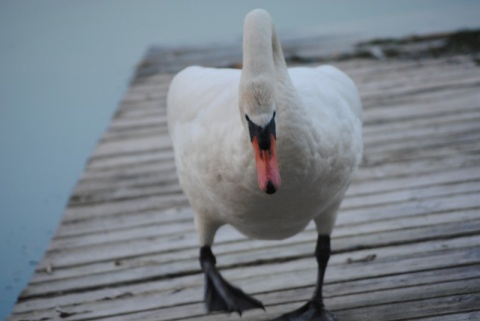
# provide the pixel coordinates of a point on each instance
(202, 104)
(198, 96)
(344, 86)
(327, 85)
(332, 101)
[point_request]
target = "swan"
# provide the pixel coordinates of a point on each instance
(266, 149)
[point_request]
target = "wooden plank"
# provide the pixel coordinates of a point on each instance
(151, 229)
(165, 187)
(131, 159)
(410, 209)
(418, 98)
(152, 142)
(124, 124)
(466, 316)
(157, 186)
(416, 166)
(159, 178)
(154, 186)
(385, 184)
(140, 107)
(438, 119)
(149, 168)
(470, 82)
(229, 256)
(124, 206)
(396, 310)
(126, 172)
(372, 214)
(250, 252)
(421, 74)
(357, 188)
(372, 141)
(149, 121)
(334, 288)
(466, 147)
(123, 222)
(422, 307)
(346, 302)
(341, 272)
(143, 174)
(134, 133)
(94, 179)
(399, 124)
(417, 135)
(401, 195)
(81, 226)
(437, 225)
(132, 146)
(370, 70)
(415, 193)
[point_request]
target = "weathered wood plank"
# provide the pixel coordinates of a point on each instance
(149, 168)
(365, 215)
(389, 125)
(149, 230)
(155, 173)
(396, 196)
(346, 302)
(123, 222)
(466, 316)
(250, 252)
(94, 179)
(157, 178)
(158, 269)
(166, 187)
(335, 288)
(383, 265)
(124, 124)
(126, 172)
(395, 227)
(124, 206)
(357, 188)
(128, 160)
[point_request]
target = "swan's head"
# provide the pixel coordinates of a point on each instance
(258, 111)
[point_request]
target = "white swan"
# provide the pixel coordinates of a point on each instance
(266, 149)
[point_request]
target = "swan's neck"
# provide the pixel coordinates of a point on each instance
(262, 52)
(264, 71)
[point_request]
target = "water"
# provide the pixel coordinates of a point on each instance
(65, 65)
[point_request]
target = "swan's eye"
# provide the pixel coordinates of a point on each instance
(246, 117)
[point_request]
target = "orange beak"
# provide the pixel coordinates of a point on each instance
(267, 166)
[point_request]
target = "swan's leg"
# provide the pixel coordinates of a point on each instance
(219, 294)
(314, 310)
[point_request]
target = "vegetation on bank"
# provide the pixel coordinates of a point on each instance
(422, 46)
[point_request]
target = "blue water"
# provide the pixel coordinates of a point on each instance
(64, 66)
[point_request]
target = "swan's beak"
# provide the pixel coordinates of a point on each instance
(267, 166)
(263, 139)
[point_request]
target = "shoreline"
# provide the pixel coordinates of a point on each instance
(315, 49)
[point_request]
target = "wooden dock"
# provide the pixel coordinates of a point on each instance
(406, 244)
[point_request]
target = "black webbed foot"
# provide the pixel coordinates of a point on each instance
(221, 295)
(314, 310)
(308, 312)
